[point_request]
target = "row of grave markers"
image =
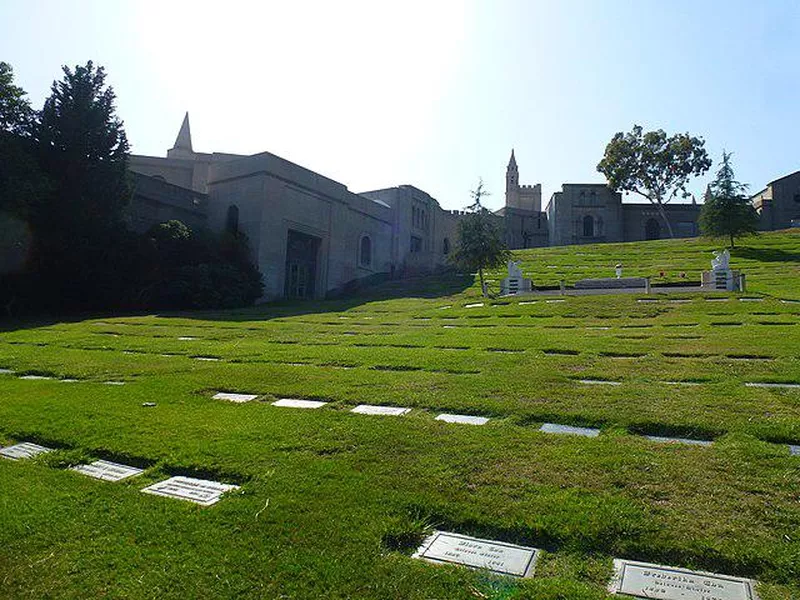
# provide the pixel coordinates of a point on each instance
(633, 578)
(199, 491)
(398, 411)
(247, 397)
(643, 580)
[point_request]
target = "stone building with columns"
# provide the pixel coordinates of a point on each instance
(310, 236)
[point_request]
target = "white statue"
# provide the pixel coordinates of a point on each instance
(618, 270)
(721, 261)
(514, 272)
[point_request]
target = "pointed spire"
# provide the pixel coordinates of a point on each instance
(512, 164)
(184, 139)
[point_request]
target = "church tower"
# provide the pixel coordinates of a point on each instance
(512, 182)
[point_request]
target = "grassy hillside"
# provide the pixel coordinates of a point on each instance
(333, 503)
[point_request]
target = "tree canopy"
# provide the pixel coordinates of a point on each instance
(16, 113)
(727, 211)
(654, 165)
(481, 244)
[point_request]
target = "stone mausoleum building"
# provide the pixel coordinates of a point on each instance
(778, 204)
(310, 236)
(585, 213)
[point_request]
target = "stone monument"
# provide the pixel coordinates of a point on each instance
(721, 276)
(515, 282)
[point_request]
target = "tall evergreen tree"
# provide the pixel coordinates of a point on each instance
(79, 232)
(727, 211)
(480, 239)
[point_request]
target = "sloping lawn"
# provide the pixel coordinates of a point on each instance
(332, 503)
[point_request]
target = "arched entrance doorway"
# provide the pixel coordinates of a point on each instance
(652, 230)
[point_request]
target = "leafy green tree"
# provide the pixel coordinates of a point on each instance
(727, 211)
(481, 244)
(653, 165)
(16, 114)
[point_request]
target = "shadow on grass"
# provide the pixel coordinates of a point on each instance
(424, 287)
(766, 254)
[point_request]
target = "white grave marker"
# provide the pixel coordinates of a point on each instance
(676, 440)
(6, 372)
(23, 450)
(114, 382)
(35, 377)
(794, 450)
(646, 580)
(199, 491)
(369, 409)
(498, 557)
(462, 419)
(788, 386)
(107, 471)
(231, 397)
(476, 305)
(569, 430)
(599, 382)
(187, 338)
(295, 403)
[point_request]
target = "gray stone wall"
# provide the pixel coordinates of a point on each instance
(156, 201)
(643, 221)
(785, 201)
(587, 213)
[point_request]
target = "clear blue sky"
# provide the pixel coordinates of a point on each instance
(433, 93)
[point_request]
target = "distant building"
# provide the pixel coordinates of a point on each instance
(310, 236)
(585, 213)
(778, 204)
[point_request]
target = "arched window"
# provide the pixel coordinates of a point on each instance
(652, 230)
(588, 226)
(365, 254)
(445, 246)
(232, 222)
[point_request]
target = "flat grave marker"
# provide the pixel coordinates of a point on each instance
(788, 386)
(475, 305)
(569, 430)
(199, 491)
(794, 450)
(462, 419)
(114, 383)
(681, 383)
(107, 470)
(554, 301)
(297, 403)
(677, 440)
(646, 580)
(207, 358)
(599, 382)
(23, 450)
(36, 377)
(369, 409)
(498, 557)
(187, 338)
(233, 397)
(6, 372)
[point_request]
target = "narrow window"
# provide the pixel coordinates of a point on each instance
(232, 223)
(445, 246)
(366, 251)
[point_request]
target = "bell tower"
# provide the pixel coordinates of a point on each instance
(512, 182)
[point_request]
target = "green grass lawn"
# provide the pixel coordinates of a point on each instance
(332, 504)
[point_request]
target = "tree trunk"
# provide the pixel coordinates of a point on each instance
(483, 285)
(664, 218)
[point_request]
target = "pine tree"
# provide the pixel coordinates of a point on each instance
(727, 211)
(480, 239)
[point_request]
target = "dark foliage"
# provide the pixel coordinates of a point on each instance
(727, 211)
